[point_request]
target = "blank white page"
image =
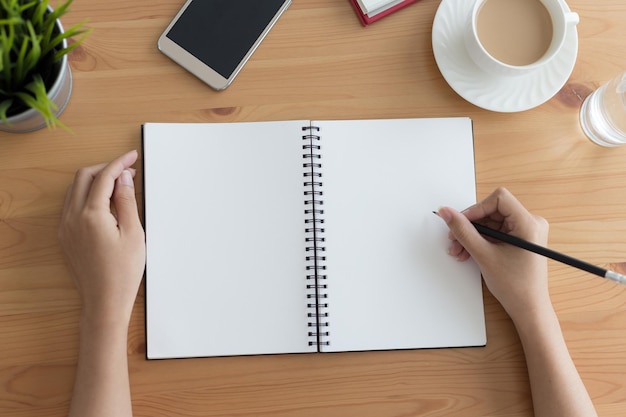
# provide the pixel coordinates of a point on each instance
(370, 6)
(225, 239)
(391, 284)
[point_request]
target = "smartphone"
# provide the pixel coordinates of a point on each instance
(213, 39)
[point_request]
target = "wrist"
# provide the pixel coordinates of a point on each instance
(103, 323)
(529, 306)
(532, 321)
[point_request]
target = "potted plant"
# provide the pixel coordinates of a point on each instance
(35, 76)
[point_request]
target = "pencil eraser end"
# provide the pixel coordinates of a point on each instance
(614, 276)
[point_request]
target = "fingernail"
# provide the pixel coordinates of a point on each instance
(127, 178)
(444, 214)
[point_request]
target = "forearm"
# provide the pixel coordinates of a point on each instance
(556, 386)
(102, 388)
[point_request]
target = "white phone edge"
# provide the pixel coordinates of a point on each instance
(198, 68)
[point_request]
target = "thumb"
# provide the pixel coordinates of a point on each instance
(125, 201)
(464, 231)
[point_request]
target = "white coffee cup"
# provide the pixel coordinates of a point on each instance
(562, 20)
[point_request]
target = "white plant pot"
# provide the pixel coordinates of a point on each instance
(60, 92)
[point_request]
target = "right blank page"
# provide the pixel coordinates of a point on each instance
(391, 284)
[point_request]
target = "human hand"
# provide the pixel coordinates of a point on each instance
(516, 277)
(103, 240)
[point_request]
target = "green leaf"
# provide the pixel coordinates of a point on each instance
(75, 44)
(69, 33)
(20, 73)
(23, 8)
(7, 42)
(38, 15)
(34, 55)
(40, 100)
(4, 108)
(10, 21)
(59, 11)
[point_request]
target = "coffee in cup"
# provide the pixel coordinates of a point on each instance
(512, 37)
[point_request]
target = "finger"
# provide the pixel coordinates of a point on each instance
(464, 232)
(508, 205)
(125, 202)
(104, 182)
(513, 217)
(458, 251)
(64, 214)
(83, 179)
(499, 211)
(489, 206)
(67, 201)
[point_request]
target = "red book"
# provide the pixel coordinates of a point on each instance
(366, 20)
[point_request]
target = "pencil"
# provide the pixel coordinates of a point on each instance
(549, 253)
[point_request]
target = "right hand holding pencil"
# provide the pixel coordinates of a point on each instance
(516, 277)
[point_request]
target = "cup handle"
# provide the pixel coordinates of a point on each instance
(572, 19)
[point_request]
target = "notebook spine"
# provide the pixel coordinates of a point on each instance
(316, 284)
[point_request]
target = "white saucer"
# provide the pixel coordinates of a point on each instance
(493, 92)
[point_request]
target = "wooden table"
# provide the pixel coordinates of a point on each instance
(319, 63)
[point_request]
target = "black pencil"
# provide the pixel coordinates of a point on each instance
(549, 253)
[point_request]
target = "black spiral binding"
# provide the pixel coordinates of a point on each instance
(317, 297)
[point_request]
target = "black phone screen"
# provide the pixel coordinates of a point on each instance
(221, 32)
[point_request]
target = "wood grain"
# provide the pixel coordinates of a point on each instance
(317, 63)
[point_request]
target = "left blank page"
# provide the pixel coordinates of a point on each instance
(225, 239)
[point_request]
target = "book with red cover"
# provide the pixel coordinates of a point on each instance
(367, 20)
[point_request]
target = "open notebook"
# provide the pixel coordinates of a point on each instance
(307, 236)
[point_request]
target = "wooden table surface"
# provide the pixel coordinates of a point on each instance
(317, 63)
